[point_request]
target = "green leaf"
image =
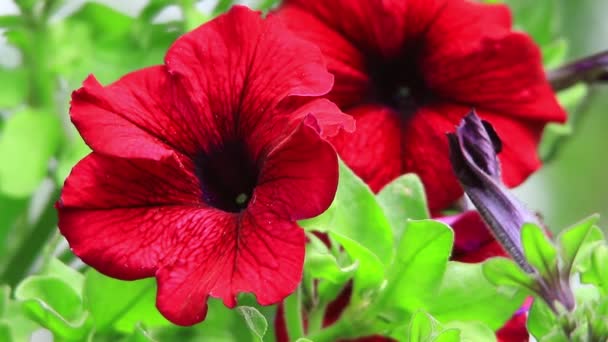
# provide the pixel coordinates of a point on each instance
(325, 266)
(505, 272)
(55, 305)
(255, 320)
(140, 335)
(5, 332)
(597, 273)
(301, 339)
(100, 40)
(222, 6)
(466, 295)
(421, 327)
(539, 251)
(10, 21)
(323, 269)
(448, 335)
(14, 325)
(555, 134)
(403, 199)
(370, 270)
(356, 215)
(541, 319)
(265, 5)
(12, 210)
(70, 276)
(471, 331)
(420, 263)
(540, 18)
(26, 5)
(152, 9)
(555, 335)
(575, 238)
(28, 141)
(221, 324)
(13, 87)
(5, 293)
(570, 98)
(119, 305)
(554, 53)
(102, 18)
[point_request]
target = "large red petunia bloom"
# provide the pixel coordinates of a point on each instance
(201, 166)
(408, 71)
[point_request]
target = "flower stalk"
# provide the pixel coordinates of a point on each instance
(589, 69)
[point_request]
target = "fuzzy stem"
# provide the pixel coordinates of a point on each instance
(293, 315)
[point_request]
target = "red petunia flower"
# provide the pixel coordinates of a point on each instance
(200, 167)
(408, 71)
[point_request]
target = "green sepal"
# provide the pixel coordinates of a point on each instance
(255, 320)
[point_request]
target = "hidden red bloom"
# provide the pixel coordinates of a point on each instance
(408, 71)
(474, 243)
(201, 166)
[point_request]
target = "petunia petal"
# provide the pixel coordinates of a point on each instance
(303, 161)
(373, 151)
(518, 157)
(425, 152)
(514, 330)
(253, 252)
(119, 215)
(502, 74)
(327, 116)
(239, 67)
(457, 26)
(103, 182)
(134, 117)
(130, 243)
(370, 25)
(344, 60)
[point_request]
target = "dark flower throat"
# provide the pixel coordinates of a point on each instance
(397, 83)
(228, 176)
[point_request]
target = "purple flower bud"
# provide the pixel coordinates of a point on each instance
(473, 149)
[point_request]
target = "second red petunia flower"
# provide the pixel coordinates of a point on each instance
(200, 167)
(408, 71)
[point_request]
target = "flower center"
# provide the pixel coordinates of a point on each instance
(398, 84)
(228, 176)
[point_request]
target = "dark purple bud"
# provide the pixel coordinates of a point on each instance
(473, 149)
(589, 69)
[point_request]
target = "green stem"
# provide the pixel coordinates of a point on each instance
(66, 256)
(41, 80)
(35, 53)
(31, 245)
(315, 318)
(339, 330)
(293, 315)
